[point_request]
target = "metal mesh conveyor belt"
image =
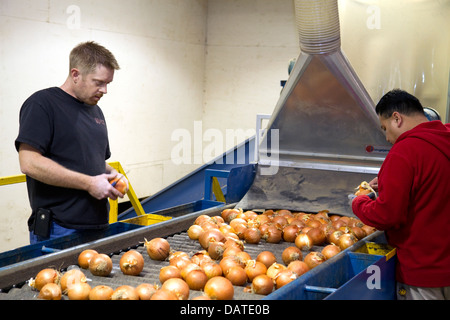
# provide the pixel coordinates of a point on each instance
(150, 274)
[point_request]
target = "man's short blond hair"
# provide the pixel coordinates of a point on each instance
(88, 55)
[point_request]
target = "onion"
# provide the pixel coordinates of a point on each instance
(314, 258)
(219, 288)
(201, 257)
(229, 214)
(145, 291)
(208, 236)
(299, 267)
(180, 262)
(163, 295)
(70, 278)
(196, 279)
(232, 242)
(188, 268)
(334, 237)
(368, 229)
(194, 231)
(303, 241)
(212, 270)
(347, 240)
(158, 249)
(79, 291)
(273, 234)
(100, 265)
(101, 292)
(216, 249)
(237, 276)
(231, 251)
(252, 235)
(51, 291)
(178, 287)
(45, 276)
(85, 257)
(330, 251)
(125, 292)
(290, 254)
(131, 263)
(228, 262)
(274, 269)
(243, 257)
(317, 235)
(169, 272)
(290, 232)
(267, 258)
(282, 221)
(262, 284)
(254, 268)
(284, 277)
(358, 232)
(201, 219)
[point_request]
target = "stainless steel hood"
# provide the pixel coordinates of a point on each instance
(323, 138)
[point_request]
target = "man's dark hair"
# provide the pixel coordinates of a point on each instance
(400, 101)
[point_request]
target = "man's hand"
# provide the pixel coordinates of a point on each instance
(100, 188)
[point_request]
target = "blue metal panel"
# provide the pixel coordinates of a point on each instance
(192, 187)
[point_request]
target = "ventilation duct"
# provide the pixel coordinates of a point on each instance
(323, 137)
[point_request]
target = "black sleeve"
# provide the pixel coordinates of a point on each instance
(35, 126)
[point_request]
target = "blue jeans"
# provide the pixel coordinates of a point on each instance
(56, 231)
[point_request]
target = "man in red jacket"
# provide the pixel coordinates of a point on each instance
(413, 203)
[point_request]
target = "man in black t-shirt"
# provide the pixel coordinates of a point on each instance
(63, 147)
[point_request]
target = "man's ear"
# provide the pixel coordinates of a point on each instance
(75, 73)
(397, 118)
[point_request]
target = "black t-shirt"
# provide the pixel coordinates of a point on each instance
(74, 135)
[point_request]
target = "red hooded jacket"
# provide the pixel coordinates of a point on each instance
(413, 204)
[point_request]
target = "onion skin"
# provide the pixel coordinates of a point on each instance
(101, 292)
(196, 279)
(44, 277)
(290, 254)
(194, 232)
(84, 258)
(237, 276)
(304, 242)
(131, 263)
(79, 291)
(212, 270)
(285, 277)
(145, 291)
(51, 291)
(100, 265)
(219, 288)
(125, 292)
(262, 284)
(267, 258)
(274, 269)
(208, 236)
(330, 251)
(317, 235)
(163, 295)
(169, 272)
(290, 232)
(178, 287)
(71, 278)
(299, 267)
(158, 249)
(254, 268)
(347, 240)
(314, 258)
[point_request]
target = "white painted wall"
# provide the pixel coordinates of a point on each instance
(213, 62)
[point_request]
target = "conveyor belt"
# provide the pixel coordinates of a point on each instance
(150, 274)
